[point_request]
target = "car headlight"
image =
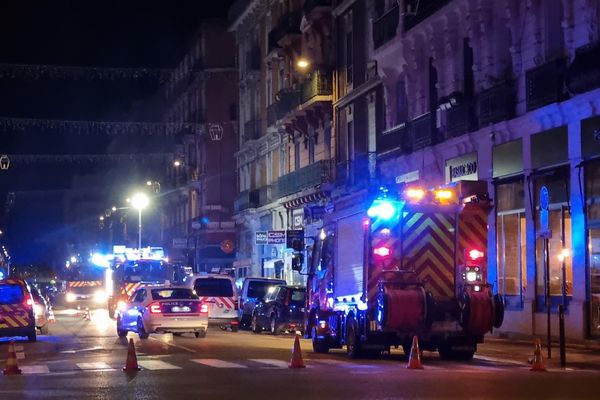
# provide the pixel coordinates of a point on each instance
(100, 296)
(471, 276)
(121, 305)
(71, 297)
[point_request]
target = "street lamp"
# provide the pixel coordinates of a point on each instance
(303, 63)
(140, 201)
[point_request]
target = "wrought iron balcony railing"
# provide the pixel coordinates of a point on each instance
(545, 84)
(318, 84)
(307, 177)
(245, 200)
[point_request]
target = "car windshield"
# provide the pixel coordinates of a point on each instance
(258, 289)
(11, 294)
(145, 271)
(84, 289)
(173, 294)
(297, 296)
(213, 287)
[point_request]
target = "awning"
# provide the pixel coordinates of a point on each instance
(306, 199)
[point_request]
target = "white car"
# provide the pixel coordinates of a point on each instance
(220, 292)
(163, 309)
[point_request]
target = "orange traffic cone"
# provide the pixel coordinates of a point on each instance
(88, 316)
(131, 364)
(11, 364)
(538, 360)
(296, 361)
(414, 360)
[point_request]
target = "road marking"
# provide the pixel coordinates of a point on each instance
(271, 362)
(20, 355)
(156, 365)
(82, 350)
(35, 369)
(95, 366)
(499, 360)
(174, 345)
(328, 361)
(213, 362)
(19, 347)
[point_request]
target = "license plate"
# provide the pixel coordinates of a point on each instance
(180, 309)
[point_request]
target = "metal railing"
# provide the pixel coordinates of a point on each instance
(310, 176)
(396, 138)
(496, 104)
(384, 27)
(286, 101)
(545, 84)
(245, 200)
(319, 83)
(267, 194)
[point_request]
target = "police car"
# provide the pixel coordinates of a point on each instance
(17, 316)
(163, 309)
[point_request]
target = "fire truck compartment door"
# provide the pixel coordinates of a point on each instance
(348, 275)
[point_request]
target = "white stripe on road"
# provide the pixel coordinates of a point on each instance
(35, 369)
(156, 365)
(270, 362)
(95, 366)
(19, 347)
(20, 355)
(499, 360)
(213, 362)
(173, 345)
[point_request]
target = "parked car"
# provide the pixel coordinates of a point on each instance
(254, 289)
(220, 293)
(163, 309)
(42, 310)
(281, 310)
(17, 317)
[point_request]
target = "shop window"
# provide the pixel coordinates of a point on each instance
(559, 245)
(592, 185)
(510, 242)
(508, 158)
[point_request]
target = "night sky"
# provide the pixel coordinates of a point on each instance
(139, 34)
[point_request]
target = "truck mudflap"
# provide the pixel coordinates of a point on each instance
(477, 312)
(402, 309)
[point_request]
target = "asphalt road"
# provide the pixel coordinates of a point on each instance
(83, 360)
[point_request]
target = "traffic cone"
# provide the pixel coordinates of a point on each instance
(538, 359)
(88, 316)
(11, 364)
(414, 359)
(296, 361)
(131, 364)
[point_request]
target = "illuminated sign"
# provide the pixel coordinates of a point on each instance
(463, 168)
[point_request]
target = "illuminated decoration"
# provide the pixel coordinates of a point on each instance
(89, 158)
(215, 131)
(382, 251)
(4, 162)
(415, 194)
(475, 254)
(227, 246)
(383, 209)
(77, 73)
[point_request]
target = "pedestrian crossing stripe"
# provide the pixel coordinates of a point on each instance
(270, 362)
(35, 369)
(216, 363)
(95, 366)
(156, 365)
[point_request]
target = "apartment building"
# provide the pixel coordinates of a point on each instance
(285, 159)
(197, 199)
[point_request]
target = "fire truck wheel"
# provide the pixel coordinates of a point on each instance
(319, 345)
(353, 347)
(254, 325)
(141, 330)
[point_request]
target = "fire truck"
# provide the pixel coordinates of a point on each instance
(405, 262)
(132, 268)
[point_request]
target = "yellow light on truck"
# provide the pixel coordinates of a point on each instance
(444, 194)
(415, 194)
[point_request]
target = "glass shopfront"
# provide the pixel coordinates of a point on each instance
(592, 186)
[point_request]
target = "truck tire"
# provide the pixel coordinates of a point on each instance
(498, 304)
(353, 345)
(319, 345)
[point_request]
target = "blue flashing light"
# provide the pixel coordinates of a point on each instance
(1, 275)
(100, 260)
(383, 209)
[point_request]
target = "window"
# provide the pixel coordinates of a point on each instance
(510, 242)
(557, 182)
(311, 150)
(11, 294)
(213, 287)
(349, 57)
(258, 289)
(175, 293)
(297, 297)
(297, 155)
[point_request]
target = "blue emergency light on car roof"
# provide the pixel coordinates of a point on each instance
(384, 209)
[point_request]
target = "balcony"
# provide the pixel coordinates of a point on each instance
(310, 5)
(318, 84)
(459, 120)
(286, 101)
(384, 27)
(423, 131)
(396, 138)
(545, 84)
(252, 130)
(417, 11)
(307, 177)
(253, 59)
(289, 25)
(496, 104)
(267, 194)
(245, 200)
(353, 173)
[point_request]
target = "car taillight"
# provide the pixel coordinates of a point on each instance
(28, 302)
(155, 308)
(204, 308)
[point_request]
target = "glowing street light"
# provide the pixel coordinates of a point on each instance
(302, 63)
(114, 208)
(177, 163)
(140, 201)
